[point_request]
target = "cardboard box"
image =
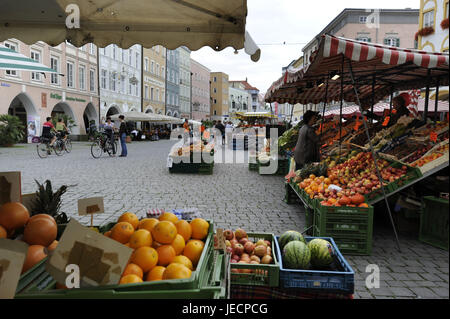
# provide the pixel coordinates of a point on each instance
(10, 187)
(101, 260)
(12, 258)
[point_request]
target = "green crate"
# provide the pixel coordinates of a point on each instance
(290, 196)
(253, 166)
(212, 286)
(411, 175)
(346, 224)
(434, 222)
(193, 282)
(351, 246)
(309, 221)
(262, 275)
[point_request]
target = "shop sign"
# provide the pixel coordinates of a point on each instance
(44, 100)
(68, 98)
(5, 85)
(55, 96)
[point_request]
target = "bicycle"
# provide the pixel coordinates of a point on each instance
(103, 144)
(44, 149)
(67, 143)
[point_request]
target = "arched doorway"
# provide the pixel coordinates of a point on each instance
(22, 107)
(112, 110)
(169, 113)
(175, 114)
(62, 108)
(149, 110)
(160, 112)
(90, 116)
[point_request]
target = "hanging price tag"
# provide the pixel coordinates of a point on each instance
(169, 162)
(386, 121)
(433, 136)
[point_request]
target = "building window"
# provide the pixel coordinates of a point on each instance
(215, 112)
(112, 83)
(136, 90)
(157, 95)
(163, 72)
(81, 77)
(393, 42)
(215, 90)
(362, 19)
(92, 49)
(70, 74)
(428, 19)
(215, 101)
(215, 79)
(129, 88)
(92, 80)
(104, 75)
(152, 67)
(151, 94)
(122, 84)
(137, 60)
(363, 39)
(114, 52)
(102, 51)
(130, 53)
(157, 49)
(145, 64)
(36, 56)
(157, 69)
(146, 92)
(446, 9)
(54, 64)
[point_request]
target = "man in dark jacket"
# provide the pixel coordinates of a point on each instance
(221, 128)
(307, 148)
(123, 132)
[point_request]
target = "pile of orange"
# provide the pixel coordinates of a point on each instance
(316, 185)
(164, 248)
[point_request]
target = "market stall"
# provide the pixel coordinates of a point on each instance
(354, 174)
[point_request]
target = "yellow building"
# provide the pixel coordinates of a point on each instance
(154, 80)
(219, 96)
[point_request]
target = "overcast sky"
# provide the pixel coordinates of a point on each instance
(278, 21)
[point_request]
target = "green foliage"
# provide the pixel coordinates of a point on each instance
(11, 130)
(49, 202)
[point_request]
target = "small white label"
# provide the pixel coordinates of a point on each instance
(169, 162)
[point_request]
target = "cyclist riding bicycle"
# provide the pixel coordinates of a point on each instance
(62, 128)
(47, 129)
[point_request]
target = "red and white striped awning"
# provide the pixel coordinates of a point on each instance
(389, 67)
(353, 110)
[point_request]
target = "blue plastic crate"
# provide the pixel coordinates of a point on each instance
(318, 280)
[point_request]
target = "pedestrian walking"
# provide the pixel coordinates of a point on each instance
(123, 132)
(307, 148)
(187, 130)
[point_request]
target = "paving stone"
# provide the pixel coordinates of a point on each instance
(423, 292)
(441, 292)
(232, 197)
(402, 292)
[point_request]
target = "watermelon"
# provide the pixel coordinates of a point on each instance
(296, 255)
(322, 252)
(289, 236)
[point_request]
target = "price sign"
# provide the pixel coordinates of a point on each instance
(169, 162)
(386, 121)
(433, 136)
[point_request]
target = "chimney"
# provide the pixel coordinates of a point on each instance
(246, 79)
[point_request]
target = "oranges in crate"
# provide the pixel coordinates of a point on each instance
(163, 248)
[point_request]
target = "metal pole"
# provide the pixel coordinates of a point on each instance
(324, 105)
(427, 96)
(373, 154)
(436, 97)
(373, 97)
(340, 107)
(391, 100)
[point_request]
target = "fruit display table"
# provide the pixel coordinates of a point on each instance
(191, 159)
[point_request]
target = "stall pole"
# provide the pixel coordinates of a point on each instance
(427, 96)
(341, 105)
(324, 106)
(391, 100)
(373, 154)
(373, 97)
(436, 97)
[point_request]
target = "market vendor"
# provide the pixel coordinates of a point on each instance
(307, 147)
(399, 109)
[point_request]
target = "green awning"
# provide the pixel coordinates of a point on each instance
(11, 60)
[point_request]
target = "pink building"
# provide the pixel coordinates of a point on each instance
(200, 91)
(32, 96)
(394, 27)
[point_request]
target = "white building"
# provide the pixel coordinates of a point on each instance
(185, 82)
(432, 13)
(239, 99)
(120, 79)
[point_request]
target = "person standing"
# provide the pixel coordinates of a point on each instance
(307, 147)
(123, 132)
(187, 131)
(221, 128)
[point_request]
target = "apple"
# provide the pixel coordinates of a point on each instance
(240, 233)
(266, 260)
(227, 243)
(248, 247)
(260, 250)
(235, 257)
(229, 235)
(238, 249)
(233, 242)
(242, 241)
(261, 242)
(255, 258)
(268, 243)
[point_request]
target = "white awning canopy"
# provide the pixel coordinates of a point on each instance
(11, 60)
(170, 23)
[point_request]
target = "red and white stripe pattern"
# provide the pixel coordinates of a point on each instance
(155, 213)
(363, 51)
(413, 106)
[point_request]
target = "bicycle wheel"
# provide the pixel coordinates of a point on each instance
(58, 146)
(68, 145)
(110, 148)
(96, 150)
(42, 150)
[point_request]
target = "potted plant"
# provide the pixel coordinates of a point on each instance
(11, 130)
(444, 24)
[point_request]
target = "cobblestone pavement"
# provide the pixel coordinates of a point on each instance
(233, 197)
